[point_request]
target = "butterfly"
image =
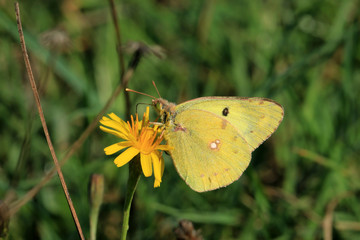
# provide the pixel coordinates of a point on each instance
(213, 137)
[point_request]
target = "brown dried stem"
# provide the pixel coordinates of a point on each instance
(43, 122)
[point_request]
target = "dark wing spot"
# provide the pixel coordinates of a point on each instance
(225, 111)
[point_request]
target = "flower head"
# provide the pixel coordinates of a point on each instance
(138, 137)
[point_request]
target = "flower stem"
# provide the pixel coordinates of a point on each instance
(134, 176)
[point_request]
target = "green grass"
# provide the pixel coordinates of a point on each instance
(304, 54)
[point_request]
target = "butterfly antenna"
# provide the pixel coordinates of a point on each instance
(156, 89)
(130, 90)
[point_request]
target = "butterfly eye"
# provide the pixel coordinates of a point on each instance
(225, 111)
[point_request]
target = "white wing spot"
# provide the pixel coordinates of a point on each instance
(215, 145)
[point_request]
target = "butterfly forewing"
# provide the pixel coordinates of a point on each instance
(255, 119)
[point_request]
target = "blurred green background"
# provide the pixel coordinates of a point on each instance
(303, 183)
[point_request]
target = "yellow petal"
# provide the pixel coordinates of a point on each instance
(146, 164)
(115, 132)
(162, 166)
(116, 147)
(119, 126)
(156, 183)
(147, 113)
(126, 156)
(158, 164)
(104, 119)
(115, 117)
(162, 162)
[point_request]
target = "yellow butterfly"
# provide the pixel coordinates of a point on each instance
(213, 137)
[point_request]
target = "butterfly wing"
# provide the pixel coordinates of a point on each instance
(209, 152)
(255, 119)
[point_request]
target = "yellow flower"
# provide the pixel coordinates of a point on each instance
(138, 137)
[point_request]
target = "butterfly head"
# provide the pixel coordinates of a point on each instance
(165, 109)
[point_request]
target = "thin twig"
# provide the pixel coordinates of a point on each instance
(42, 118)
